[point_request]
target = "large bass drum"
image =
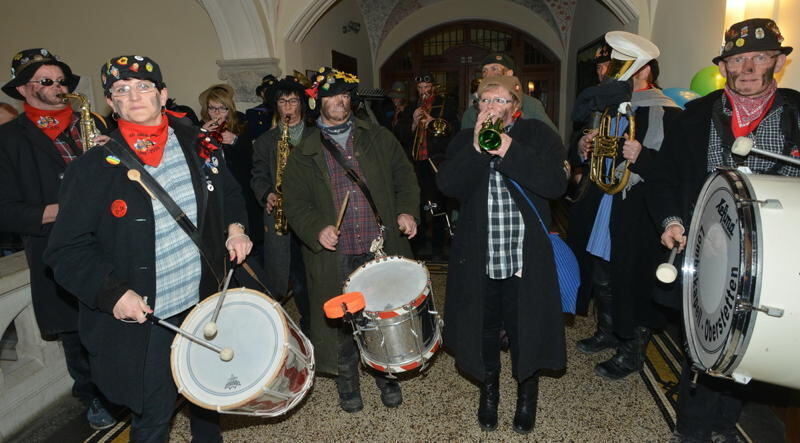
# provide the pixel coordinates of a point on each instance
(740, 283)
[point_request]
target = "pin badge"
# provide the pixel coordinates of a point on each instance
(745, 31)
(210, 186)
(759, 33)
(119, 208)
(112, 160)
(214, 161)
(214, 170)
(740, 42)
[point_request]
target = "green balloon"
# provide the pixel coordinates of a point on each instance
(707, 80)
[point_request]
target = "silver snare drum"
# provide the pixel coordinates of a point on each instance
(399, 329)
(741, 305)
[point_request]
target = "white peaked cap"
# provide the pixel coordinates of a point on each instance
(627, 46)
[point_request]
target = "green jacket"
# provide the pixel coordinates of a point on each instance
(309, 207)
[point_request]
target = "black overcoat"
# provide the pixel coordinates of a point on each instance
(98, 256)
(31, 170)
(635, 250)
(535, 160)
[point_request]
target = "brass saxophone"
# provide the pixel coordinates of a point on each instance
(88, 128)
(282, 154)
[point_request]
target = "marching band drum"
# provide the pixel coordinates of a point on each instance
(740, 284)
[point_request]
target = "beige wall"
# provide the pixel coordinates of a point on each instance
(177, 34)
(326, 35)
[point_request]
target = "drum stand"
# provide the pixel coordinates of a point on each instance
(432, 207)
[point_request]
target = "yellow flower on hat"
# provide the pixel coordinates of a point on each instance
(122, 61)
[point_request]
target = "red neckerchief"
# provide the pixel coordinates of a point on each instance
(147, 142)
(51, 122)
(749, 111)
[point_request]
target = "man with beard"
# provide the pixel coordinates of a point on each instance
(125, 254)
(751, 105)
(315, 184)
(35, 149)
(283, 262)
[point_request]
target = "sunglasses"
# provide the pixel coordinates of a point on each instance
(49, 82)
(423, 79)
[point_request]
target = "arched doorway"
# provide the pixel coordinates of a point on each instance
(453, 53)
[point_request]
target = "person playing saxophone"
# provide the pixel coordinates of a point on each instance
(282, 260)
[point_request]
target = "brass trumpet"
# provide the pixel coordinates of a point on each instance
(489, 135)
(603, 161)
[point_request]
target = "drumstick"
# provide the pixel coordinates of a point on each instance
(433, 165)
(666, 272)
(225, 354)
(210, 329)
(744, 145)
(136, 176)
(342, 210)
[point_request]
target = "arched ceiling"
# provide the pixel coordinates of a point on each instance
(381, 16)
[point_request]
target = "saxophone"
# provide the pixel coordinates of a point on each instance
(282, 154)
(88, 128)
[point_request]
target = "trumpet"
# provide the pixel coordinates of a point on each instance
(88, 128)
(489, 135)
(603, 161)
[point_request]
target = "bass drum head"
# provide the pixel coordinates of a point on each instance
(719, 269)
(388, 283)
(253, 328)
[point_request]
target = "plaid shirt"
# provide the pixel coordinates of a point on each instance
(768, 136)
(63, 147)
(506, 230)
(359, 227)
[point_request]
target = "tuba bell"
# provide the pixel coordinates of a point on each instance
(603, 169)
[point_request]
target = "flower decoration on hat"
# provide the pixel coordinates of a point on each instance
(329, 82)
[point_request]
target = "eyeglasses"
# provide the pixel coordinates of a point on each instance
(758, 59)
(217, 109)
(50, 82)
(290, 101)
(498, 100)
(423, 79)
(141, 88)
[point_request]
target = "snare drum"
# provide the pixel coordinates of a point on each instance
(741, 305)
(399, 329)
(273, 363)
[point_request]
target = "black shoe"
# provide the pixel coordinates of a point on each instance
(488, 402)
(391, 394)
(98, 416)
(600, 341)
(527, 398)
(629, 358)
(349, 391)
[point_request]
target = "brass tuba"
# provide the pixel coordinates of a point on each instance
(88, 128)
(603, 161)
(282, 155)
(489, 135)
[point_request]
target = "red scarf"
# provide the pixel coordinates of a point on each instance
(147, 142)
(51, 122)
(749, 111)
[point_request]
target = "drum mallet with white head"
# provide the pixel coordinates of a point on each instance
(225, 354)
(666, 272)
(210, 329)
(744, 145)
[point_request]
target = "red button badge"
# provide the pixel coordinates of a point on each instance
(119, 208)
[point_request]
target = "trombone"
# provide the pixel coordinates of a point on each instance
(439, 127)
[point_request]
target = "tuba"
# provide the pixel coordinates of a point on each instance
(603, 160)
(88, 128)
(282, 154)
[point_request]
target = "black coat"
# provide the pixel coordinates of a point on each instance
(31, 170)
(635, 250)
(98, 256)
(535, 160)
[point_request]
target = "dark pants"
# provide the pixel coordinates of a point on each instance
(430, 192)
(500, 312)
(160, 394)
(78, 367)
(713, 405)
(297, 279)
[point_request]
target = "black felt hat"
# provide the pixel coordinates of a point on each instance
(267, 82)
(286, 85)
(328, 82)
(130, 66)
(752, 35)
(501, 59)
(26, 63)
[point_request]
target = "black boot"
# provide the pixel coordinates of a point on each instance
(349, 388)
(487, 404)
(603, 337)
(629, 358)
(391, 395)
(527, 396)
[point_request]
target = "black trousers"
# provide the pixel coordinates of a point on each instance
(78, 367)
(500, 312)
(160, 394)
(430, 192)
(297, 278)
(714, 405)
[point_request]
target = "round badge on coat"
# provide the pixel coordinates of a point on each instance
(119, 208)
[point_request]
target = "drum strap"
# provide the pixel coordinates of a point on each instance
(127, 158)
(353, 176)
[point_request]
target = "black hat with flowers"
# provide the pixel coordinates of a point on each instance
(328, 82)
(26, 63)
(752, 35)
(287, 85)
(267, 82)
(130, 66)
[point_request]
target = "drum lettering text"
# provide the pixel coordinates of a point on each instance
(698, 311)
(724, 218)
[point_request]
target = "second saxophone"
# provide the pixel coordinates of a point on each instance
(282, 155)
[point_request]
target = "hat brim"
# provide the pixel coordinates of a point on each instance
(10, 88)
(786, 50)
